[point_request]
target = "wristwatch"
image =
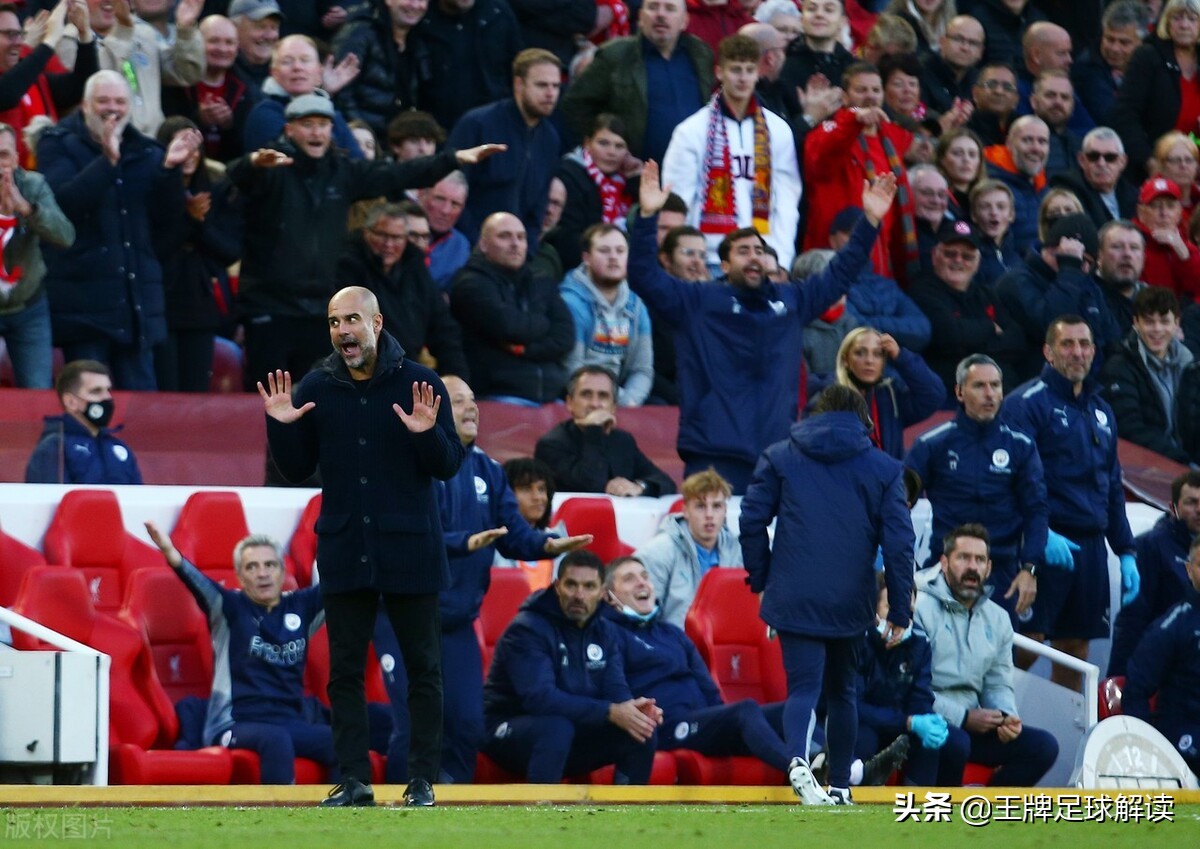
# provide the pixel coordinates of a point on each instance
(1031, 568)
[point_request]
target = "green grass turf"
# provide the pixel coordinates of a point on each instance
(569, 827)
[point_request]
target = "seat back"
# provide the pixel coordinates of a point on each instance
(210, 525)
(302, 550)
(16, 558)
(596, 516)
(508, 589)
(159, 605)
(724, 624)
(88, 533)
(139, 711)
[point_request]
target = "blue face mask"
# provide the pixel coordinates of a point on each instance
(882, 627)
(640, 617)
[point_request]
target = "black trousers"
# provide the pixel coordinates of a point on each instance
(416, 620)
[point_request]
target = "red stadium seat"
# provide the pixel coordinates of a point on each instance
(724, 624)
(142, 723)
(663, 772)
(16, 558)
(88, 533)
(302, 550)
(509, 588)
(316, 671)
(697, 769)
(159, 604)
(596, 516)
(210, 525)
(677, 505)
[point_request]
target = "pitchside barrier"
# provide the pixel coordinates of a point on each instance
(26, 511)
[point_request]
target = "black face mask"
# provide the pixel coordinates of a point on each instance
(99, 413)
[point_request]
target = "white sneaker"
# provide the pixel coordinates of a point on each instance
(840, 796)
(805, 786)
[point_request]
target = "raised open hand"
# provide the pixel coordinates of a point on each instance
(651, 194)
(877, 197)
(475, 155)
(269, 158)
(174, 558)
(277, 398)
(426, 404)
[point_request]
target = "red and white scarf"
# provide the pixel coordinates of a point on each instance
(614, 202)
(719, 215)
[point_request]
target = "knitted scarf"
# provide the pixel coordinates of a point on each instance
(614, 203)
(719, 215)
(908, 223)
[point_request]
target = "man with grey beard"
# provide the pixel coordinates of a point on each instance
(120, 189)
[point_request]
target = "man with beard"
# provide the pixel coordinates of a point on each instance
(379, 451)
(1020, 163)
(519, 181)
(297, 196)
(1076, 436)
(612, 326)
(557, 701)
(118, 188)
(971, 640)
(740, 338)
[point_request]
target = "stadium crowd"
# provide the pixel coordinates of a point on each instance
(746, 208)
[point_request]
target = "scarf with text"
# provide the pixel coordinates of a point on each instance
(719, 215)
(614, 203)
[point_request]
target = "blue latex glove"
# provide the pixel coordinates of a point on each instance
(1131, 581)
(931, 728)
(1058, 552)
(879, 559)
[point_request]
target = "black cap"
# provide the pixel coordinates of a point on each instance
(958, 231)
(1075, 226)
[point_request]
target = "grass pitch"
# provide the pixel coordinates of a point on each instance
(566, 827)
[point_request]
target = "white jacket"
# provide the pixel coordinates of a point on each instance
(683, 171)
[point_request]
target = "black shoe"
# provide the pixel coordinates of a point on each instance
(820, 768)
(418, 794)
(879, 769)
(351, 793)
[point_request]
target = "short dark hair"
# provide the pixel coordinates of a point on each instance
(907, 63)
(857, 69)
(737, 235)
(972, 530)
(581, 557)
(1189, 478)
(912, 485)
(970, 361)
(1068, 320)
(1155, 300)
(595, 231)
(674, 203)
(526, 471)
(738, 48)
(414, 124)
(608, 121)
(995, 66)
(671, 240)
(591, 368)
(837, 398)
(72, 375)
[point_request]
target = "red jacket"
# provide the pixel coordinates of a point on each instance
(712, 23)
(834, 169)
(1165, 268)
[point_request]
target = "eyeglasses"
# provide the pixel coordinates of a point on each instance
(12, 34)
(997, 85)
(389, 237)
(419, 237)
(1096, 156)
(930, 193)
(966, 42)
(1179, 161)
(957, 255)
